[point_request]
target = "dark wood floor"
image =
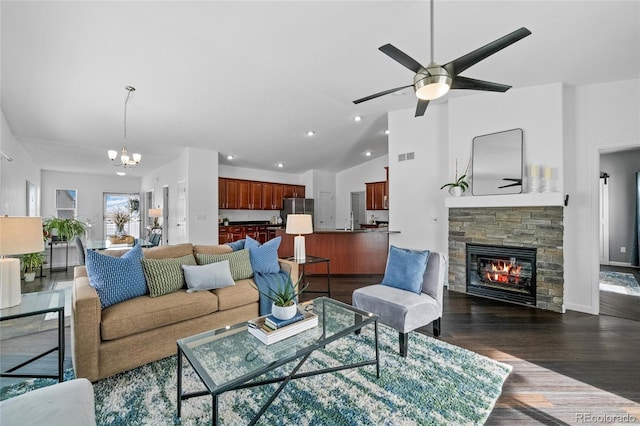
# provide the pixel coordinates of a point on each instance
(620, 305)
(564, 365)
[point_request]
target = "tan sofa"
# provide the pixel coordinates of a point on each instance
(145, 329)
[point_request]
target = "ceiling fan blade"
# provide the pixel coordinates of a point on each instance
(377, 95)
(421, 107)
(460, 82)
(457, 66)
(401, 57)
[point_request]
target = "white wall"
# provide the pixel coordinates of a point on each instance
(607, 116)
(15, 174)
(353, 180)
(536, 110)
(416, 203)
(199, 170)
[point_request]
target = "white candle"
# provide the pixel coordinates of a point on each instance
(547, 172)
(534, 171)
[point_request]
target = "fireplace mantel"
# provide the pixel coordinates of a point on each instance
(509, 200)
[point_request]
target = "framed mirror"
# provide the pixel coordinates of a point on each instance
(497, 163)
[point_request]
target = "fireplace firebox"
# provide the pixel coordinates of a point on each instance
(502, 272)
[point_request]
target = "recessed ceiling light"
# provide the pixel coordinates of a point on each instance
(386, 132)
(120, 173)
(368, 153)
(357, 118)
(280, 165)
(229, 157)
(310, 133)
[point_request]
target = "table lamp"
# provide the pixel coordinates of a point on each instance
(155, 214)
(299, 224)
(18, 235)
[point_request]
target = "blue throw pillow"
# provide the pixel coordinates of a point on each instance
(236, 245)
(116, 279)
(405, 269)
(264, 258)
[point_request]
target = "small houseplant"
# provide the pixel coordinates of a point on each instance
(460, 184)
(284, 297)
(64, 229)
(31, 262)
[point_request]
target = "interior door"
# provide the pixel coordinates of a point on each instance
(181, 214)
(325, 208)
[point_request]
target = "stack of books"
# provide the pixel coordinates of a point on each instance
(269, 329)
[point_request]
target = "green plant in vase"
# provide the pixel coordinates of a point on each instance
(284, 297)
(64, 229)
(460, 184)
(31, 262)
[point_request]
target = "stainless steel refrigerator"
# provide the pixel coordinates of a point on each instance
(296, 206)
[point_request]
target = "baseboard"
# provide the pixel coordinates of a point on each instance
(624, 264)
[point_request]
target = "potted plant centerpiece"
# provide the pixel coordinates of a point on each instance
(284, 297)
(31, 262)
(460, 184)
(120, 218)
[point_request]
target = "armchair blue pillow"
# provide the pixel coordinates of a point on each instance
(237, 245)
(405, 269)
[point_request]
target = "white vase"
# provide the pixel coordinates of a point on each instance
(29, 276)
(284, 312)
(455, 191)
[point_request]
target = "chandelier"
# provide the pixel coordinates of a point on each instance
(125, 160)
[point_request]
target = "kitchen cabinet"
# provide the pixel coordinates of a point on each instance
(255, 195)
(229, 234)
(376, 194)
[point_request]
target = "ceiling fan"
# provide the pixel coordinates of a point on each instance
(435, 80)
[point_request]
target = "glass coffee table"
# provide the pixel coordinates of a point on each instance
(231, 358)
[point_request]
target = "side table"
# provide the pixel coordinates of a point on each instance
(36, 304)
(309, 260)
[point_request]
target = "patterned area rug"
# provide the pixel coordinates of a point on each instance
(437, 384)
(619, 282)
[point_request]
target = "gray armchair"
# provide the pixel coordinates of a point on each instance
(404, 310)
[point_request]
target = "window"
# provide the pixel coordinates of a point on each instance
(129, 203)
(66, 203)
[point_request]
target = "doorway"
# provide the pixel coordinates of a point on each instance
(165, 213)
(619, 279)
(358, 203)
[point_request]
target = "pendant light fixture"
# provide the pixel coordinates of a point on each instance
(125, 160)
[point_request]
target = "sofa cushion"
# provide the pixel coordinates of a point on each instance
(264, 258)
(207, 277)
(405, 269)
(165, 275)
(147, 313)
(168, 252)
(238, 262)
(211, 249)
(116, 279)
(238, 295)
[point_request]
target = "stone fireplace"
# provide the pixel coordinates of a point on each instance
(536, 233)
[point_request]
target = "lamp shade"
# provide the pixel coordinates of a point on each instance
(155, 212)
(299, 224)
(20, 235)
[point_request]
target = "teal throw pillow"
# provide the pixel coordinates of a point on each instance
(208, 277)
(165, 276)
(116, 279)
(236, 245)
(239, 262)
(264, 258)
(405, 269)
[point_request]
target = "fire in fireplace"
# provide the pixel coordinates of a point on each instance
(502, 272)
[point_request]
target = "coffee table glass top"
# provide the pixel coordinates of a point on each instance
(35, 303)
(230, 356)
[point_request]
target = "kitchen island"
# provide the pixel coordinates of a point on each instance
(350, 252)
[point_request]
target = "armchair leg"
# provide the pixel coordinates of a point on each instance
(404, 344)
(436, 327)
(357, 320)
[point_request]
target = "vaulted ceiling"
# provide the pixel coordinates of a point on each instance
(251, 78)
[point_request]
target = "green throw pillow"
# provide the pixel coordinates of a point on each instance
(165, 276)
(239, 262)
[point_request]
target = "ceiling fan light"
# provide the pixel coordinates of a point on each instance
(137, 158)
(112, 154)
(124, 159)
(432, 87)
